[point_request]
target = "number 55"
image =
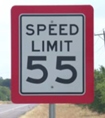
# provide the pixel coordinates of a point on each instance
(59, 66)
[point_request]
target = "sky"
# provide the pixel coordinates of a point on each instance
(5, 29)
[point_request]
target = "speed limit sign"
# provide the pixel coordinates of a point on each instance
(52, 54)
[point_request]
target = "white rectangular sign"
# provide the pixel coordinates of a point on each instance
(52, 55)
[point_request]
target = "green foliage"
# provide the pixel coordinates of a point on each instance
(5, 93)
(1, 80)
(6, 82)
(99, 98)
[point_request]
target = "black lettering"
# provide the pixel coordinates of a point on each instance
(60, 66)
(40, 28)
(68, 45)
(32, 66)
(29, 27)
(51, 28)
(49, 46)
(33, 47)
(61, 28)
(60, 45)
(43, 46)
(71, 29)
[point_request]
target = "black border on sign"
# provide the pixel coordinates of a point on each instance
(20, 56)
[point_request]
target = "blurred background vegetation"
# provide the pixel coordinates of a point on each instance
(5, 89)
(99, 89)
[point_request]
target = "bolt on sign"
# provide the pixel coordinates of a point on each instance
(52, 54)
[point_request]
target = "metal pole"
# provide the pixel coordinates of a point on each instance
(104, 36)
(51, 110)
(98, 34)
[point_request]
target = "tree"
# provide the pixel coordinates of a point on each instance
(1, 80)
(4, 93)
(99, 98)
(6, 82)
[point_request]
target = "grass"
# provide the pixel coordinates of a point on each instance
(62, 111)
(5, 102)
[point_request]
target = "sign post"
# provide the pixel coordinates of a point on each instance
(52, 108)
(52, 54)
